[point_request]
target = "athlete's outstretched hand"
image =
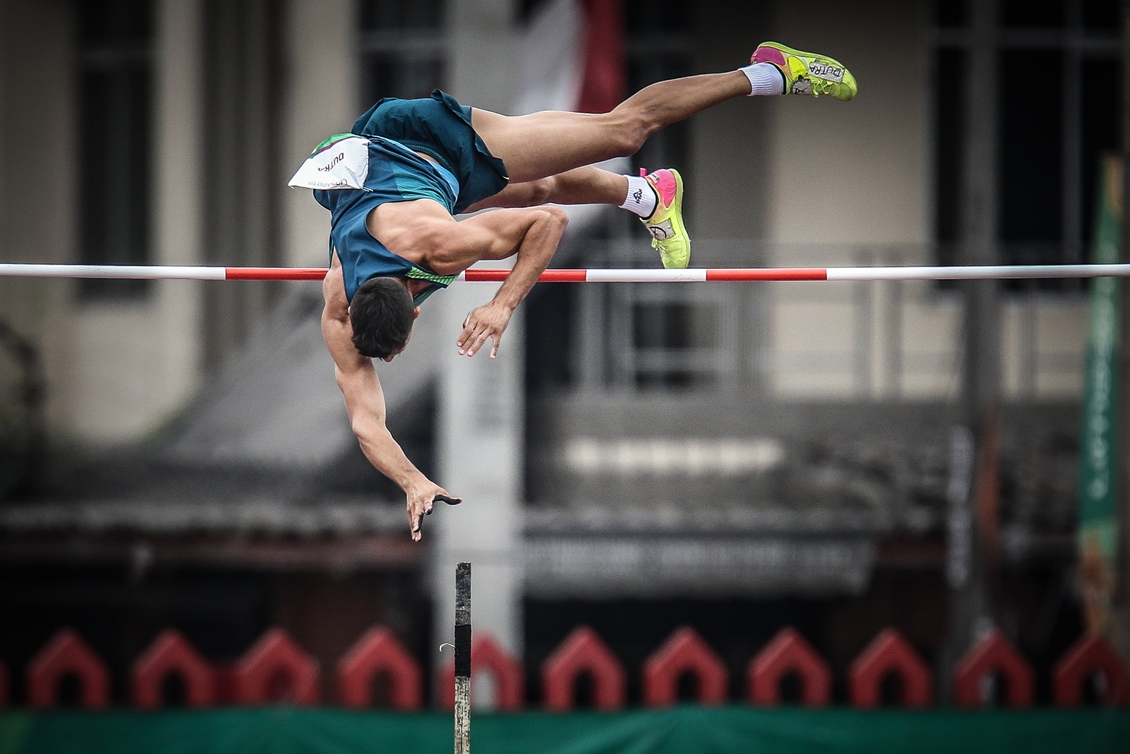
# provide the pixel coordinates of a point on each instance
(487, 321)
(420, 501)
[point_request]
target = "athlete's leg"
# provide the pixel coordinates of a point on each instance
(587, 185)
(549, 143)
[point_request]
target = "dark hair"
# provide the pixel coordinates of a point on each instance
(381, 313)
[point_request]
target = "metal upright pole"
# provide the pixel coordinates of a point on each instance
(1121, 602)
(463, 658)
(969, 606)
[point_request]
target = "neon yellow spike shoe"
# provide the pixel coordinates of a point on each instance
(668, 234)
(808, 72)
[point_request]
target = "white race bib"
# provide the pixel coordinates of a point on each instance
(339, 162)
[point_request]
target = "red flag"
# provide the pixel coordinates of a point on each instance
(602, 80)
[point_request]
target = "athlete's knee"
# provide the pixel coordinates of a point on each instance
(555, 215)
(629, 132)
(542, 190)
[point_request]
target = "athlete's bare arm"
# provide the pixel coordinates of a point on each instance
(532, 234)
(425, 233)
(365, 403)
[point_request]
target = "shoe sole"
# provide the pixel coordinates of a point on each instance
(678, 213)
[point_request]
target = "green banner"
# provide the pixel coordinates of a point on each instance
(1098, 468)
(680, 730)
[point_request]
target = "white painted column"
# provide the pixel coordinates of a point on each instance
(481, 408)
(178, 161)
(482, 71)
(481, 401)
(320, 100)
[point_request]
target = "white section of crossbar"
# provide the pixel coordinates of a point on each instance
(1000, 272)
(132, 272)
(645, 275)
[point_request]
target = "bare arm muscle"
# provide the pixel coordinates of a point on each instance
(365, 403)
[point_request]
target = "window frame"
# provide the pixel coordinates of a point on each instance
(1076, 45)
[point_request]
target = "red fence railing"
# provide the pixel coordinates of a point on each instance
(277, 669)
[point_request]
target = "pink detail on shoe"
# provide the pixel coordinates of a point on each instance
(643, 172)
(768, 55)
(665, 186)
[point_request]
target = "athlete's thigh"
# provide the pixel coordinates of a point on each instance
(546, 143)
(525, 194)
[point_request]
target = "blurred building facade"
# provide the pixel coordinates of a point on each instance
(640, 456)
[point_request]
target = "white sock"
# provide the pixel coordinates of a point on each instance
(641, 196)
(764, 79)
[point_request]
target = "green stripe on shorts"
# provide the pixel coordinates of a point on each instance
(418, 274)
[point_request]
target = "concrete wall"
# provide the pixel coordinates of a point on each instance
(731, 143)
(320, 100)
(38, 207)
(135, 363)
(857, 172)
(114, 370)
(851, 184)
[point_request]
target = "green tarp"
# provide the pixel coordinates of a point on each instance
(1098, 456)
(681, 730)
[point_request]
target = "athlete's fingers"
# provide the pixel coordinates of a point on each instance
(414, 524)
(466, 338)
(477, 340)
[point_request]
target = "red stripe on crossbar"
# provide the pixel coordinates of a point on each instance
(800, 273)
(274, 273)
(549, 276)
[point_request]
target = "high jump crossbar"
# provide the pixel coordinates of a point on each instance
(597, 275)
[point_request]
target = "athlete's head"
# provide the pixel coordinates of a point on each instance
(381, 313)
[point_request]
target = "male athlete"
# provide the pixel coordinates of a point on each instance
(395, 184)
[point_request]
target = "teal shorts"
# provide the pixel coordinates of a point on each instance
(441, 128)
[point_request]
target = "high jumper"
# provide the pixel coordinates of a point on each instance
(395, 183)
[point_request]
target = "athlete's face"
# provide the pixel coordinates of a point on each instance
(393, 355)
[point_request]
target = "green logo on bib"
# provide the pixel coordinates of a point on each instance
(331, 141)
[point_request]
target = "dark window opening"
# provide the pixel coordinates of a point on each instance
(174, 690)
(114, 79)
(658, 45)
(1030, 14)
(1095, 690)
(401, 15)
(951, 13)
(69, 690)
(549, 337)
(1031, 161)
(382, 687)
(1104, 15)
(402, 48)
(663, 326)
(949, 150)
(892, 690)
(1101, 132)
(1049, 147)
(790, 689)
(397, 75)
(584, 691)
(687, 686)
(660, 331)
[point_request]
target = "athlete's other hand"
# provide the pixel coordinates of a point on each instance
(487, 321)
(420, 501)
